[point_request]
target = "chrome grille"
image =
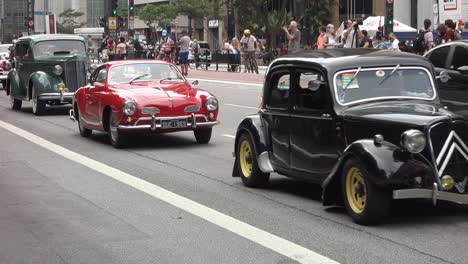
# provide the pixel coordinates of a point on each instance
(74, 74)
(150, 110)
(192, 109)
(449, 147)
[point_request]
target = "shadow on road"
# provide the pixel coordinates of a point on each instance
(50, 110)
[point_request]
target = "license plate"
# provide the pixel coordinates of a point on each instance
(174, 123)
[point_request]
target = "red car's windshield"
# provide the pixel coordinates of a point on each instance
(138, 72)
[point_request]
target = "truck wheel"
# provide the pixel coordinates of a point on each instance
(116, 137)
(365, 202)
(15, 103)
(203, 136)
(38, 106)
(246, 159)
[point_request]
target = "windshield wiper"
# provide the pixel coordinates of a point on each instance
(139, 77)
(354, 77)
(169, 79)
(388, 76)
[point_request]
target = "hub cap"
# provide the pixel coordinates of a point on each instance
(356, 191)
(245, 158)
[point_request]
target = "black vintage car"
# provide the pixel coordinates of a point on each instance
(366, 124)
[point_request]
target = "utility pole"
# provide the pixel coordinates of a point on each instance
(388, 27)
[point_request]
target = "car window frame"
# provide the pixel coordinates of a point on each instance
(328, 107)
(376, 99)
(267, 93)
(95, 74)
(453, 53)
(448, 58)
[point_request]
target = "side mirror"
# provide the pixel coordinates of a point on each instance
(314, 85)
(194, 83)
(92, 68)
(443, 77)
(463, 69)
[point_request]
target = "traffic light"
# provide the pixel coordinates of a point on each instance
(388, 16)
(102, 21)
(131, 8)
(115, 6)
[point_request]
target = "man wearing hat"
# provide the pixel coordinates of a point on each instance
(249, 45)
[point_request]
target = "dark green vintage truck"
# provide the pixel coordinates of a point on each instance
(48, 70)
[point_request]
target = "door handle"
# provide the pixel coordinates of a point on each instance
(326, 115)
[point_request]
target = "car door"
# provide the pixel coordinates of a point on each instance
(314, 149)
(94, 96)
(277, 116)
(22, 66)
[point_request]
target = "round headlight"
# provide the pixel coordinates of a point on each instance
(413, 140)
(129, 108)
(61, 87)
(211, 103)
(57, 70)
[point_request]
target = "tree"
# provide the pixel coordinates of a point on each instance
(197, 9)
(155, 16)
(317, 14)
(68, 21)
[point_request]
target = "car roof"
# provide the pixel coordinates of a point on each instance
(42, 37)
(339, 58)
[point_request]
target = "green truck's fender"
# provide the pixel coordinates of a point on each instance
(13, 85)
(43, 83)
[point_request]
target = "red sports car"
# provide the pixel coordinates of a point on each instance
(153, 96)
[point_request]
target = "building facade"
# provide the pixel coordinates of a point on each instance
(13, 13)
(43, 7)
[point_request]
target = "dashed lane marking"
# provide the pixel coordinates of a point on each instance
(259, 236)
(227, 82)
(242, 106)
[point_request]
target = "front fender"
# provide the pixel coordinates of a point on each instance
(388, 166)
(44, 83)
(14, 81)
(253, 126)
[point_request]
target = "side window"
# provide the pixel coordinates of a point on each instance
(278, 96)
(439, 56)
(99, 76)
(310, 90)
(460, 58)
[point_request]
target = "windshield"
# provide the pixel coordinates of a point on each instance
(352, 86)
(59, 47)
(138, 72)
(4, 48)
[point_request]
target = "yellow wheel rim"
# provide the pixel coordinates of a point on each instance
(356, 190)
(245, 158)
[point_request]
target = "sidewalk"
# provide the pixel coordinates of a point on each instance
(227, 76)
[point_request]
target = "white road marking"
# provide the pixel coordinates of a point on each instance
(229, 136)
(242, 106)
(227, 82)
(261, 237)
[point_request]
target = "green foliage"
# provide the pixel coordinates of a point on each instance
(191, 8)
(157, 15)
(67, 21)
(316, 16)
(122, 12)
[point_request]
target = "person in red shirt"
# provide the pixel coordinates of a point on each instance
(450, 34)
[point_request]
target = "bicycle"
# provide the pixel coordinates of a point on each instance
(251, 63)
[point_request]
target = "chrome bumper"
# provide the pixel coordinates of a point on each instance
(3, 77)
(433, 194)
(153, 126)
(57, 96)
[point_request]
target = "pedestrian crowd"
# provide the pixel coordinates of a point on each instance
(245, 52)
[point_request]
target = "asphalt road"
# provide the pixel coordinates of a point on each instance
(57, 210)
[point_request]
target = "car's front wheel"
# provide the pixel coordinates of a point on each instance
(84, 132)
(116, 137)
(246, 159)
(15, 104)
(365, 202)
(203, 136)
(38, 106)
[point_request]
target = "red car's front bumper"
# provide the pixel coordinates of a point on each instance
(153, 123)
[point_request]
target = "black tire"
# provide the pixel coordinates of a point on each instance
(84, 132)
(4, 84)
(246, 162)
(15, 104)
(375, 206)
(116, 137)
(203, 136)
(38, 106)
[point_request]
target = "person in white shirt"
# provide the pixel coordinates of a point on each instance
(249, 45)
(394, 42)
(350, 36)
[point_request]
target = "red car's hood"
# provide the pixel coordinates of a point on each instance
(168, 96)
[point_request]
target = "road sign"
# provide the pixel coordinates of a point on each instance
(131, 18)
(112, 23)
(31, 23)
